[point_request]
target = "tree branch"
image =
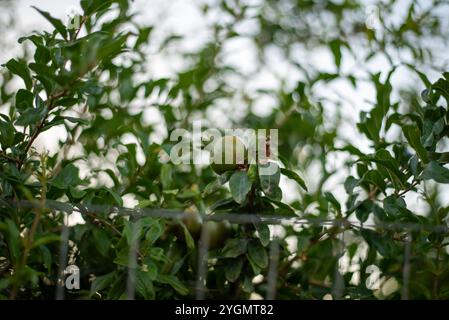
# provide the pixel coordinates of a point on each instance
(8, 157)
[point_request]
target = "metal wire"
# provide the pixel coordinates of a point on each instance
(235, 218)
(132, 264)
(339, 283)
(273, 270)
(406, 267)
(203, 253)
(204, 242)
(63, 253)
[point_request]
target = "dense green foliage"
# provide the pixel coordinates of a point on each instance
(93, 80)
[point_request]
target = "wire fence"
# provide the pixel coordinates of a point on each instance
(234, 218)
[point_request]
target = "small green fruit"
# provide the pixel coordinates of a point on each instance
(222, 151)
(218, 232)
(193, 221)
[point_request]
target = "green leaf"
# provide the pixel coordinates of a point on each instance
(76, 193)
(350, 184)
(233, 269)
(101, 282)
(421, 75)
(68, 102)
(223, 204)
(275, 194)
(36, 39)
(111, 48)
(247, 285)
(240, 186)
(31, 116)
(47, 257)
(215, 184)
(24, 99)
(76, 120)
(234, 248)
(174, 282)
(442, 87)
(43, 240)
(333, 201)
(270, 182)
(375, 178)
(363, 210)
(132, 231)
(157, 254)
(117, 198)
(256, 269)
(122, 257)
(371, 123)
(69, 176)
(211, 187)
(20, 69)
(380, 243)
(188, 237)
(150, 269)
(7, 134)
(166, 176)
(93, 6)
(264, 233)
(154, 232)
(283, 208)
(413, 136)
(383, 158)
(144, 285)
(258, 254)
(13, 236)
(57, 24)
(394, 205)
(144, 33)
(434, 171)
(335, 46)
(102, 241)
(294, 176)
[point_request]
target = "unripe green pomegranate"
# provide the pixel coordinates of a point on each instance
(193, 221)
(222, 151)
(218, 231)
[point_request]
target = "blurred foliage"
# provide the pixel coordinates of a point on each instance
(88, 79)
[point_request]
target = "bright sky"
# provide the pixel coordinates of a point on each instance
(183, 17)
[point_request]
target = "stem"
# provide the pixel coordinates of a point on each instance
(51, 104)
(31, 141)
(8, 157)
(30, 239)
(105, 223)
(26, 251)
(414, 184)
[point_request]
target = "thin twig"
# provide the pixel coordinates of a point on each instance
(414, 184)
(8, 157)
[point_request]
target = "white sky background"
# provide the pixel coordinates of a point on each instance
(183, 17)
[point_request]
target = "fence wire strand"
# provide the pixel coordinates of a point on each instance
(200, 287)
(63, 256)
(235, 218)
(273, 270)
(132, 264)
(406, 267)
(338, 287)
(203, 253)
